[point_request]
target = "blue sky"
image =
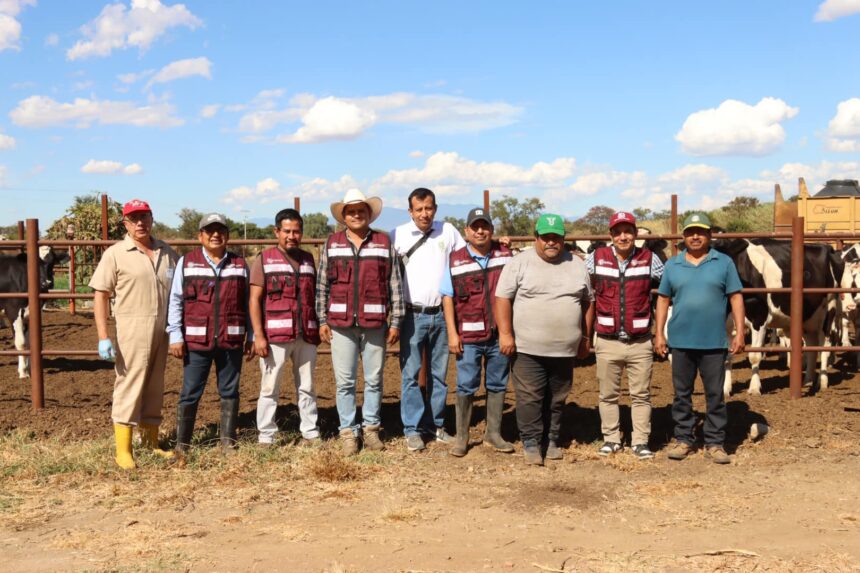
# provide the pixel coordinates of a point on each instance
(240, 106)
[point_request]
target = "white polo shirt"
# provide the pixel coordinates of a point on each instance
(426, 266)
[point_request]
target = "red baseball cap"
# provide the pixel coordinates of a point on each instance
(622, 217)
(134, 206)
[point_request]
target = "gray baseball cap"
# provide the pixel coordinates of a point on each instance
(212, 218)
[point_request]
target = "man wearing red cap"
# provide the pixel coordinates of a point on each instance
(137, 271)
(622, 275)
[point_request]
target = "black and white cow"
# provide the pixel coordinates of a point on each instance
(851, 301)
(766, 263)
(13, 279)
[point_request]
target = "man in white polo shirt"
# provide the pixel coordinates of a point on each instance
(424, 247)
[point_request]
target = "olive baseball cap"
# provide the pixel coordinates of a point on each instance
(697, 220)
(550, 223)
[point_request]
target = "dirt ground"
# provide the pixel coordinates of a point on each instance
(790, 502)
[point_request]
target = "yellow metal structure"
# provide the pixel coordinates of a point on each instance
(821, 214)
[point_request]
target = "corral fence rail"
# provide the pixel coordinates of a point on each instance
(797, 236)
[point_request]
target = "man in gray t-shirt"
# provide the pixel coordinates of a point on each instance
(543, 304)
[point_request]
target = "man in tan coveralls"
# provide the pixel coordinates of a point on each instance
(137, 271)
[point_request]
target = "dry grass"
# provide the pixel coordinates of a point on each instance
(332, 467)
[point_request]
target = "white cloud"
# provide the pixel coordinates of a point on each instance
(269, 189)
(118, 27)
(182, 69)
(2, 176)
(843, 131)
(10, 28)
(209, 111)
(736, 128)
(105, 167)
(43, 111)
(417, 153)
(6, 141)
(333, 118)
(52, 40)
(834, 9)
(134, 77)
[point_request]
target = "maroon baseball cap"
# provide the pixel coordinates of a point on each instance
(134, 206)
(622, 217)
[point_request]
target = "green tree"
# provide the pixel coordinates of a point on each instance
(642, 213)
(459, 224)
(189, 223)
(316, 226)
(596, 220)
(514, 218)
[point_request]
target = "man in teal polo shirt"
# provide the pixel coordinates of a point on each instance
(699, 282)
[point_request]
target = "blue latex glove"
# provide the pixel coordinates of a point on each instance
(106, 351)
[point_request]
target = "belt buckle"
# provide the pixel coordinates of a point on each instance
(624, 337)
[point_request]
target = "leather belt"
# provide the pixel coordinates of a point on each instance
(419, 309)
(625, 339)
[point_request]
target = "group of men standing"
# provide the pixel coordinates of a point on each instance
(423, 285)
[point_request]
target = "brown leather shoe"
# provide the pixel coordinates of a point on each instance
(717, 455)
(372, 440)
(679, 450)
(348, 442)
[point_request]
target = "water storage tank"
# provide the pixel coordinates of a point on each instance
(840, 188)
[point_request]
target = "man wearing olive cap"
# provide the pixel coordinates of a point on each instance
(699, 282)
(543, 301)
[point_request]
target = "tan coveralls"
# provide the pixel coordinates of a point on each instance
(141, 288)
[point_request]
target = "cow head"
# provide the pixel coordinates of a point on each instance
(48, 258)
(851, 279)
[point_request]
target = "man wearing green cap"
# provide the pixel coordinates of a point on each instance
(699, 282)
(543, 306)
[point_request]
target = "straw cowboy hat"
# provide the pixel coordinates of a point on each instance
(356, 196)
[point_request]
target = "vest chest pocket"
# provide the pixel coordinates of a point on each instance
(196, 329)
(290, 287)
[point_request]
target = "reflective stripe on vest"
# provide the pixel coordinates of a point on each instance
(290, 294)
(358, 280)
(622, 299)
(215, 305)
(474, 291)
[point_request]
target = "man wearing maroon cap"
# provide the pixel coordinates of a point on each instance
(622, 275)
(137, 271)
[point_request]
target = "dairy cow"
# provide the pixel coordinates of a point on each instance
(13, 279)
(766, 263)
(851, 301)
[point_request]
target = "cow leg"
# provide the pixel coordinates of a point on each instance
(757, 336)
(727, 380)
(19, 327)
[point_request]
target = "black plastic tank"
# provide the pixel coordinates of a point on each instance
(840, 188)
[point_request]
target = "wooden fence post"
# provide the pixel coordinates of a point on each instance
(796, 334)
(37, 387)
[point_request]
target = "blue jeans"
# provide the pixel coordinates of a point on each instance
(346, 345)
(417, 332)
(469, 367)
(228, 367)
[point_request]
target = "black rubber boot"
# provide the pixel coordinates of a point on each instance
(493, 435)
(185, 417)
(464, 416)
(229, 418)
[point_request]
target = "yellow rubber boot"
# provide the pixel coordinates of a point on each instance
(149, 440)
(124, 457)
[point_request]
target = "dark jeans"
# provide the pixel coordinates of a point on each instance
(542, 384)
(228, 366)
(711, 365)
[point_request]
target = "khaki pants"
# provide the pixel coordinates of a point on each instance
(612, 358)
(141, 356)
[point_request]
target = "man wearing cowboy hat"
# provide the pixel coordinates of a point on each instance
(699, 281)
(358, 284)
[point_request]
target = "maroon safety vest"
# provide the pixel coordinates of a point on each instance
(475, 291)
(358, 280)
(622, 298)
(290, 295)
(215, 307)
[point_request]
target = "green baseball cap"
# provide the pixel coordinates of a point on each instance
(697, 220)
(550, 223)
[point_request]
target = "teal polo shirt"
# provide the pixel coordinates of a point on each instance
(700, 295)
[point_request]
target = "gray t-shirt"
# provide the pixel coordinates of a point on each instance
(548, 300)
